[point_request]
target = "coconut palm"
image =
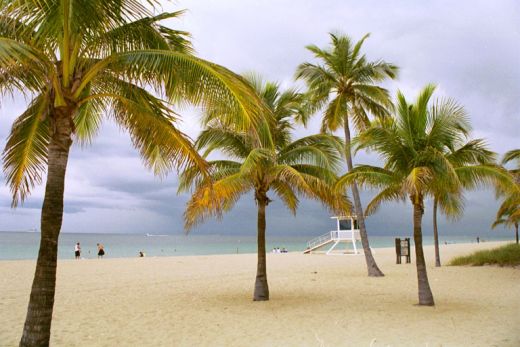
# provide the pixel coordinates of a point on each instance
(344, 85)
(82, 61)
(413, 146)
(508, 213)
(304, 167)
(472, 155)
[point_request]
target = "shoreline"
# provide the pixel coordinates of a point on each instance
(495, 243)
(209, 247)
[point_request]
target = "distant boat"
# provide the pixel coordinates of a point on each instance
(147, 234)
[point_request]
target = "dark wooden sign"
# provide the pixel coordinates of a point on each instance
(402, 249)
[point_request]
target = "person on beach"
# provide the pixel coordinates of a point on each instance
(77, 251)
(101, 250)
(478, 239)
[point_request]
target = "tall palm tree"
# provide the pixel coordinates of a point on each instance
(79, 62)
(412, 144)
(509, 211)
(470, 155)
(274, 163)
(344, 85)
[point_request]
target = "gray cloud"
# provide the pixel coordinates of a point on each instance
(470, 49)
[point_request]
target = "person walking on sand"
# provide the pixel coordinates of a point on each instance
(77, 251)
(101, 250)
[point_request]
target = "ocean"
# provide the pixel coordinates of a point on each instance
(24, 245)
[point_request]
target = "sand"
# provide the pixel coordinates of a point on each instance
(316, 300)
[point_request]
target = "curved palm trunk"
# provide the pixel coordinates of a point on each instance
(37, 328)
(261, 288)
(373, 269)
(425, 293)
(436, 234)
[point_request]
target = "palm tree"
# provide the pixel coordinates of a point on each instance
(412, 145)
(344, 84)
(273, 162)
(509, 211)
(472, 155)
(79, 62)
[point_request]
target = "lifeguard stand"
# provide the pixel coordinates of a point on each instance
(347, 231)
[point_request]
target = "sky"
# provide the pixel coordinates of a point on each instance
(469, 49)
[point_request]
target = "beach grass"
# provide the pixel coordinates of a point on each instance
(508, 255)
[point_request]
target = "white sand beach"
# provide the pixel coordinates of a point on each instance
(316, 300)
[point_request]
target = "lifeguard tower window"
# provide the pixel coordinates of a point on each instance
(345, 224)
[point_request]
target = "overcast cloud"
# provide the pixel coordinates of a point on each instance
(470, 49)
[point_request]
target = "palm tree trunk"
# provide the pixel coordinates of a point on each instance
(261, 288)
(373, 269)
(516, 232)
(436, 234)
(425, 293)
(37, 328)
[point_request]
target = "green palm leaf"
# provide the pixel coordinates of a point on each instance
(25, 153)
(186, 78)
(266, 160)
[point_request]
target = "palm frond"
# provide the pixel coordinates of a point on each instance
(255, 159)
(184, 77)
(390, 193)
(141, 34)
(418, 181)
(509, 211)
(366, 175)
(336, 201)
(286, 194)
(25, 153)
(320, 150)
(451, 204)
(474, 151)
(474, 176)
(513, 155)
(152, 128)
(210, 200)
(88, 118)
(22, 66)
(334, 115)
(230, 142)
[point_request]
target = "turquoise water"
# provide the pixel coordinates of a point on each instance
(24, 245)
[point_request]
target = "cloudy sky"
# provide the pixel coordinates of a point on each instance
(470, 49)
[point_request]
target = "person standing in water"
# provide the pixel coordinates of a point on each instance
(77, 251)
(101, 250)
